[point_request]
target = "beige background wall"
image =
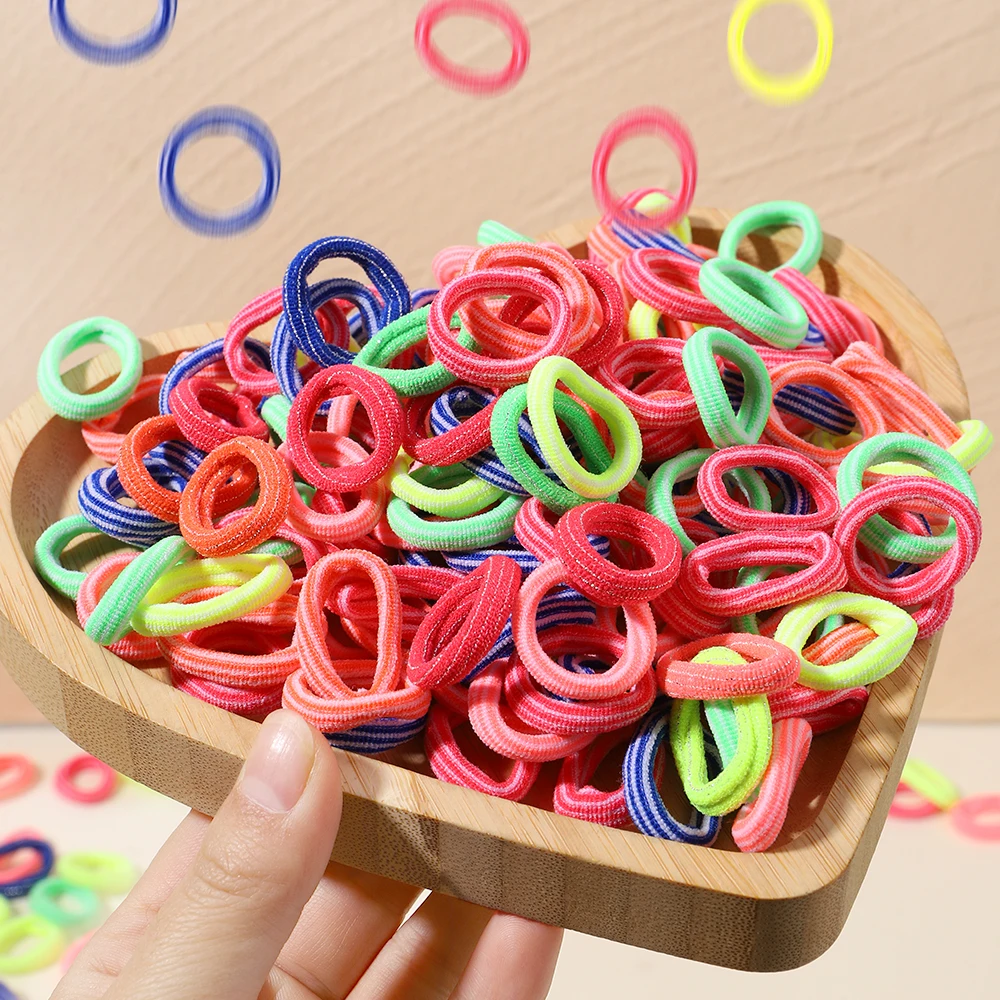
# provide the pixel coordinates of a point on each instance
(899, 153)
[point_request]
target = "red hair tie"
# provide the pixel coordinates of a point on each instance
(251, 703)
(575, 796)
(825, 570)
(669, 283)
(657, 551)
(377, 396)
(209, 416)
(715, 496)
(200, 499)
(653, 407)
(456, 445)
(771, 667)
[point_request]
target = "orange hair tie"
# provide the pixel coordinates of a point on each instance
(199, 501)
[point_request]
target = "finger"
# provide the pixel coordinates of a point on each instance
(514, 960)
(343, 927)
(107, 952)
(220, 931)
(425, 958)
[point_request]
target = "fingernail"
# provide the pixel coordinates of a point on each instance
(278, 766)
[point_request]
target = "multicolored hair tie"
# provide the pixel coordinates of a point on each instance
(18, 884)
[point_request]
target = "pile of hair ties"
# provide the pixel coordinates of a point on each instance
(924, 792)
(60, 895)
(554, 509)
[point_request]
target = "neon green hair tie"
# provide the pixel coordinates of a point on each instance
(102, 871)
(49, 548)
(392, 340)
(275, 411)
(742, 729)
(622, 425)
(773, 215)
(660, 494)
(90, 406)
(46, 945)
(49, 897)
(930, 783)
(877, 533)
(511, 451)
(895, 632)
(469, 495)
(725, 427)
(111, 620)
(255, 580)
(459, 535)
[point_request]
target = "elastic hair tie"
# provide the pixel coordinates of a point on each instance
(199, 504)
(775, 214)
(396, 338)
(251, 703)
(624, 431)
(298, 308)
(758, 823)
(464, 624)
(483, 370)
(47, 900)
(106, 873)
(636, 657)
(382, 405)
(46, 943)
(90, 406)
(783, 88)
(17, 774)
(824, 570)
(329, 293)
(202, 359)
(494, 727)
(638, 122)
(928, 582)
(379, 736)
(66, 780)
(209, 416)
(101, 497)
(101, 435)
(968, 817)
(642, 796)
(450, 764)
(823, 710)
(221, 120)
(817, 406)
(253, 379)
(113, 53)
(463, 78)
(930, 783)
(814, 479)
(724, 426)
(51, 544)
(601, 580)
(575, 796)
(877, 533)
(20, 885)
(111, 619)
(669, 284)
(754, 300)
(768, 667)
(252, 581)
(895, 632)
(468, 495)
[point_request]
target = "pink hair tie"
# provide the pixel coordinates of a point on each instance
(968, 817)
(771, 667)
(17, 774)
(209, 416)
(653, 407)
(907, 804)
(823, 710)
(932, 617)
(67, 785)
(497, 726)
(638, 122)
(575, 796)
(450, 764)
(674, 609)
(461, 77)
(669, 283)
(758, 823)
(635, 660)
(249, 702)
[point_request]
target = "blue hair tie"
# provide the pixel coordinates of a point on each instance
(810, 403)
(642, 797)
(222, 120)
(201, 358)
(365, 322)
(378, 736)
(795, 498)
(21, 887)
(126, 50)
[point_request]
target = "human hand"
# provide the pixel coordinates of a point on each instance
(245, 907)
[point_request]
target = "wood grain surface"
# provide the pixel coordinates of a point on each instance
(762, 912)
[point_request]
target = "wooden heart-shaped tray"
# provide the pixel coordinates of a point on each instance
(763, 912)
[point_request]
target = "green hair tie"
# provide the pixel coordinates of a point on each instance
(660, 495)
(625, 435)
(49, 548)
(511, 451)
(97, 330)
(877, 533)
(491, 233)
(723, 426)
(420, 489)
(48, 899)
(772, 215)
(392, 340)
(275, 411)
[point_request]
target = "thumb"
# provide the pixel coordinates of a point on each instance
(220, 931)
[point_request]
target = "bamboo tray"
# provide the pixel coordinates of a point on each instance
(764, 912)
